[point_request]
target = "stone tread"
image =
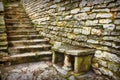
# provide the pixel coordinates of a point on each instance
(24, 36)
(28, 41)
(32, 54)
(3, 48)
(73, 50)
(31, 46)
(18, 31)
(3, 43)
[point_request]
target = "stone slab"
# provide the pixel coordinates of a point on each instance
(1, 7)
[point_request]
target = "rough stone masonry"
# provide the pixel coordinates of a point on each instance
(88, 23)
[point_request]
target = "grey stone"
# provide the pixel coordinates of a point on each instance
(107, 56)
(109, 26)
(68, 17)
(105, 21)
(106, 71)
(83, 3)
(74, 11)
(104, 15)
(117, 21)
(81, 16)
(92, 16)
(60, 70)
(92, 41)
(53, 6)
(91, 22)
(86, 30)
(103, 63)
(86, 9)
(113, 67)
(81, 38)
(1, 7)
(77, 31)
(72, 78)
(101, 10)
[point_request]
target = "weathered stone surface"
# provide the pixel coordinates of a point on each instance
(74, 11)
(81, 16)
(92, 41)
(101, 10)
(86, 30)
(107, 56)
(96, 32)
(1, 7)
(109, 26)
(86, 9)
(83, 3)
(117, 21)
(104, 15)
(77, 31)
(2, 20)
(90, 22)
(105, 21)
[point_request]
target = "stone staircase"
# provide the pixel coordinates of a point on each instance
(24, 42)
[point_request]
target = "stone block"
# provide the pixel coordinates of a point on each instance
(101, 10)
(81, 38)
(83, 3)
(91, 22)
(81, 16)
(68, 17)
(96, 32)
(117, 21)
(92, 41)
(92, 16)
(86, 30)
(75, 11)
(104, 15)
(109, 26)
(1, 7)
(105, 21)
(84, 61)
(2, 20)
(71, 36)
(86, 9)
(107, 56)
(77, 31)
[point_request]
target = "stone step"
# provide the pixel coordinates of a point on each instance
(19, 25)
(3, 48)
(31, 48)
(29, 32)
(3, 38)
(24, 37)
(16, 17)
(3, 43)
(29, 57)
(12, 20)
(18, 22)
(28, 42)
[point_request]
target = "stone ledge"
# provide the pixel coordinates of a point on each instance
(73, 50)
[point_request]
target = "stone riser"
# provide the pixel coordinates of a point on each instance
(23, 37)
(17, 28)
(22, 51)
(11, 44)
(22, 33)
(27, 59)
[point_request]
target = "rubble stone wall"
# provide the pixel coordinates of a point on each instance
(87, 23)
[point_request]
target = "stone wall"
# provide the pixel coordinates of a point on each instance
(87, 23)
(3, 34)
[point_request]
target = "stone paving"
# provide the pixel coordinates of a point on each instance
(43, 71)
